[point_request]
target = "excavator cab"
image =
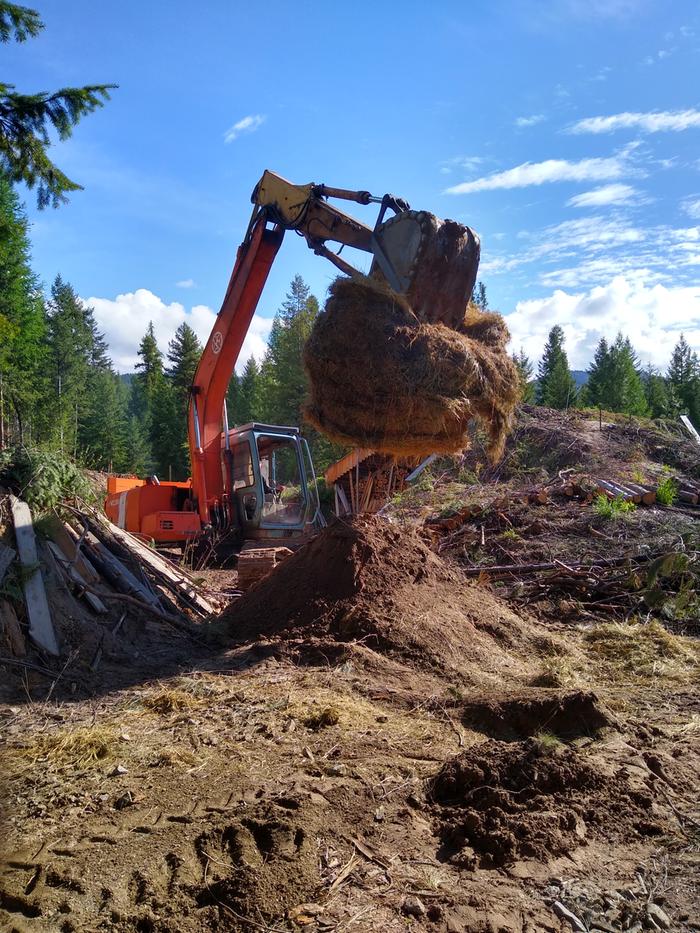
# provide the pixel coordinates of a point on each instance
(269, 473)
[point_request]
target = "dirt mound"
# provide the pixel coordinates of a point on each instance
(363, 580)
(503, 801)
(566, 715)
(382, 379)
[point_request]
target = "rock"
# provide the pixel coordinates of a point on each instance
(413, 906)
(120, 769)
(565, 914)
(659, 916)
(379, 814)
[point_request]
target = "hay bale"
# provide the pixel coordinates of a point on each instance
(382, 379)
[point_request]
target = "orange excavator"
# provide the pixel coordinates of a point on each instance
(258, 480)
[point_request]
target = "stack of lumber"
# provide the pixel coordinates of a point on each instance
(255, 562)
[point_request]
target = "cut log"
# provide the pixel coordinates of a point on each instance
(648, 496)
(10, 627)
(62, 534)
(627, 488)
(612, 490)
(686, 495)
(175, 580)
(117, 573)
(7, 555)
(41, 629)
(74, 574)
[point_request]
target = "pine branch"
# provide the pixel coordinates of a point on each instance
(25, 124)
(18, 22)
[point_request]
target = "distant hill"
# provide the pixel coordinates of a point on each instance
(127, 378)
(581, 377)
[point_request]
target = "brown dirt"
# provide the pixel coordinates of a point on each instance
(565, 714)
(365, 582)
(381, 379)
(505, 801)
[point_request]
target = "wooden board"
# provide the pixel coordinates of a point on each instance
(75, 575)
(120, 575)
(41, 629)
(180, 582)
(60, 534)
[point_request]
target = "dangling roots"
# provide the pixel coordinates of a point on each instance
(380, 379)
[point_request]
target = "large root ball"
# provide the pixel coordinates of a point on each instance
(380, 379)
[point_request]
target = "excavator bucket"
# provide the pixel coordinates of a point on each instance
(432, 262)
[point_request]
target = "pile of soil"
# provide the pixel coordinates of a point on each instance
(382, 379)
(365, 581)
(565, 714)
(503, 801)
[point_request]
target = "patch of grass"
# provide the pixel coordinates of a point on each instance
(638, 476)
(79, 748)
(328, 716)
(667, 491)
(171, 757)
(612, 508)
(547, 743)
(168, 701)
(642, 649)
(556, 672)
(510, 534)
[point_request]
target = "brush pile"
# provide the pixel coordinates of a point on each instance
(383, 379)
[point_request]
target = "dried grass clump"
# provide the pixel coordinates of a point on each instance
(644, 649)
(168, 701)
(383, 380)
(79, 748)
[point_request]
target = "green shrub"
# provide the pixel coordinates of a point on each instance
(667, 491)
(42, 478)
(612, 508)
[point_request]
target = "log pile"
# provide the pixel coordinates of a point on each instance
(103, 567)
(255, 562)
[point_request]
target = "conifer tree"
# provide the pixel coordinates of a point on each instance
(599, 375)
(556, 387)
(626, 389)
(170, 438)
(22, 326)
(147, 378)
(525, 373)
(245, 402)
(683, 378)
(69, 343)
(28, 121)
(660, 401)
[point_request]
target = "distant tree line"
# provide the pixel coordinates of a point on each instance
(616, 381)
(59, 388)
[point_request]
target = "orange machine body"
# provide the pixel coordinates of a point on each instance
(161, 511)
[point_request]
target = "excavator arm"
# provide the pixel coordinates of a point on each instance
(398, 249)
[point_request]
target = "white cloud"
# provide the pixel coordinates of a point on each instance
(540, 173)
(653, 316)
(186, 283)
(466, 163)
(653, 122)
(247, 124)
(530, 121)
(606, 194)
(124, 320)
(692, 207)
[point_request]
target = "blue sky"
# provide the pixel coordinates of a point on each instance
(566, 133)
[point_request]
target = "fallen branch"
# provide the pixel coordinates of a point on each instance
(573, 567)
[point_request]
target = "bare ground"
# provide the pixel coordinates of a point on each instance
(371, 743)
